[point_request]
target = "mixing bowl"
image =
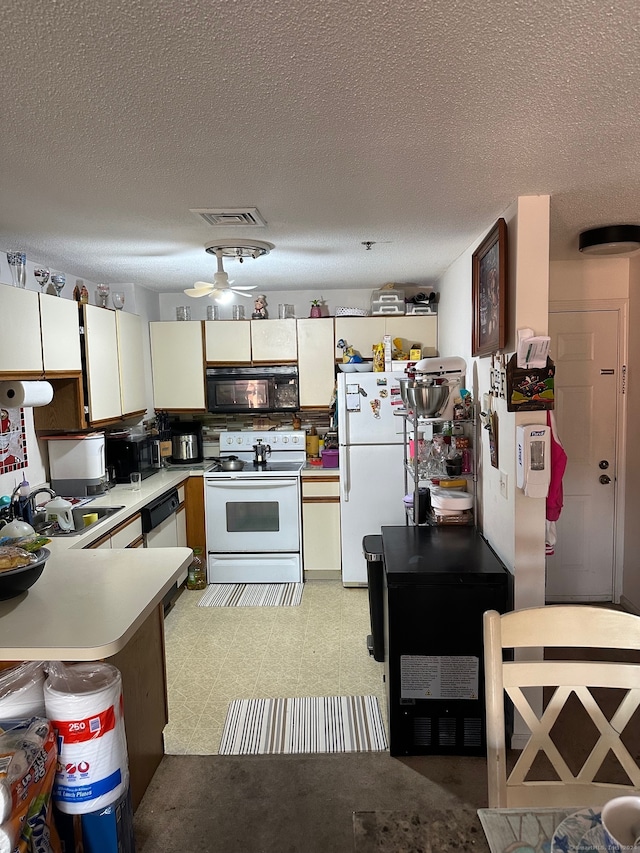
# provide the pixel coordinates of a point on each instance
(423, 397)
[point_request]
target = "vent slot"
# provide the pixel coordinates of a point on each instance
(446, 731)
(472, 731)
(230, 217)
(422, 731)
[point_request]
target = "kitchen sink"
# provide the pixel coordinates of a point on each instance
(45, 527)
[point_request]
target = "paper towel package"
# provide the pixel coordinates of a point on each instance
(108, 830)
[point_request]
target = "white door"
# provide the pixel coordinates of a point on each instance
(584, 346)
(372, 492)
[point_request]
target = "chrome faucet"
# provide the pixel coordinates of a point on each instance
(37, 491)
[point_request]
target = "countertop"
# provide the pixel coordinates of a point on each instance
(435, 553)
(87, 605)
(131, 501)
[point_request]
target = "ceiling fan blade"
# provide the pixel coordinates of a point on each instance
(198, 291)
(240, 293)
(244, 287)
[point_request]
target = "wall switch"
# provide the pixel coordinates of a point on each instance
(503, 485)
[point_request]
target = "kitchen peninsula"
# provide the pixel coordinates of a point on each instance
(92, 605)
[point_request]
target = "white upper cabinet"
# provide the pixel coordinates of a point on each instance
(363, 332)
(316, 361)
(103, 375)
(421, 329)
(359, 332)
(273, 341)
(133, 392)
(20, 343)
(228, 341)
(177, 362)
(60, 334)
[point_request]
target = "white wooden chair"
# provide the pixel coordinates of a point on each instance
(560, 626)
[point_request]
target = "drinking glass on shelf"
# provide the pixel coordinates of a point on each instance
(58, 280)
(42, 277)
(102, 291)
(118, 300)
(18, 267)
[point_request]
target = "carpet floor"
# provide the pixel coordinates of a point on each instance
(293, 803)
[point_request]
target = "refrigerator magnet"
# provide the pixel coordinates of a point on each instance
(375, 408)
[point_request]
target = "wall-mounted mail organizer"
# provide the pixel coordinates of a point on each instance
(530, 389)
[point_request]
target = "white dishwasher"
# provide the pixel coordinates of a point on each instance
(160, 530)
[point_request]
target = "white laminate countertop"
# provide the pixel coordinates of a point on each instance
(87, 605)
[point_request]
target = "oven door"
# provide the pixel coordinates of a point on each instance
(252, 514)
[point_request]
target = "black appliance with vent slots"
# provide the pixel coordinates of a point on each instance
(437, 583)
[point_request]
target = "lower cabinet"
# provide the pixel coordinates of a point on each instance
(321, 527)
(125, 535)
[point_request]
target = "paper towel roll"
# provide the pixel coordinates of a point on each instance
(16, 394)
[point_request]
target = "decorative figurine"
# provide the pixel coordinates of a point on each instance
(260, 307)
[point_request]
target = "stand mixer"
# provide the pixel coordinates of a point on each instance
(425, 395)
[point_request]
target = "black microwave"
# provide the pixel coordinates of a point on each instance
(252, 390)
(128, 455)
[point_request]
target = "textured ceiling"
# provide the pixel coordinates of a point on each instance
(412, 124)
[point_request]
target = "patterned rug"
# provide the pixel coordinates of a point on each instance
(315, 724)
(252, 595)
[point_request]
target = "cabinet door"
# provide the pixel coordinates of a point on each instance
(421, 330)
(60, 328)
(20, 344)
(228, 341)
(101, 349)
(273, 341)
(321, 525)
(133, 392)
(128, 534)
(361, 333)
(177, 360)
(316, 361)
(181, 527)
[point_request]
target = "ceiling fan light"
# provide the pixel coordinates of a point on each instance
(223, 296)
(610, 240)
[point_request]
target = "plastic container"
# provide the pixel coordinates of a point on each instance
(330, 458)
(196, 577)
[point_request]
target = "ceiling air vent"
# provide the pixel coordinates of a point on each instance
(231, 217)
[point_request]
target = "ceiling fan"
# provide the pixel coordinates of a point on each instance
(220, 288)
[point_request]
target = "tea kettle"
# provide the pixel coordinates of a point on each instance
(262, 452)
(59, 511)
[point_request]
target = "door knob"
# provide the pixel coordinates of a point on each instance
(604, 479)
(604, 464)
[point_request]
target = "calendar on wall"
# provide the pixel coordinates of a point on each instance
(13, 440)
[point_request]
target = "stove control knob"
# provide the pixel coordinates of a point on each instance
(229, 440)
(285, 440)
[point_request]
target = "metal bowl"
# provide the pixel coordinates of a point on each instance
(15, 581)
(426, 400)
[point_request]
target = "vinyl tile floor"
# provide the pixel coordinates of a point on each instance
(217, 654)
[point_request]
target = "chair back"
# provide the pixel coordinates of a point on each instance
(581, 768)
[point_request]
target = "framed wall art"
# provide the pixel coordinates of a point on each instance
(489, 292)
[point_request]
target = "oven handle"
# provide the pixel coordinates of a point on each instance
(231, 482)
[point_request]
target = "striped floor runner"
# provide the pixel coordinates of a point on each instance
(316, 724)
(252, 595)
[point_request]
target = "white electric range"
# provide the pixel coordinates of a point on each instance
(254, 516)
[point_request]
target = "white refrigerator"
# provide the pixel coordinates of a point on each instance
(371, 463)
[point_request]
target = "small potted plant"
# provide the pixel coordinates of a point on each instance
(316, 308)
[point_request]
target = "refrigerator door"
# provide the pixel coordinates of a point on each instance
(366, 405)
(372, 489)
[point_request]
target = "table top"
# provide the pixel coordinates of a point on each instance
(533, 830)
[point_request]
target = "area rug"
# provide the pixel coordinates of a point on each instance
(252, 595)
(312, 724)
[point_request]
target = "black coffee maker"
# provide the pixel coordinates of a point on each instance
(186, 442)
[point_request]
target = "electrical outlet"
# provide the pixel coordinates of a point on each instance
(503, 485)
